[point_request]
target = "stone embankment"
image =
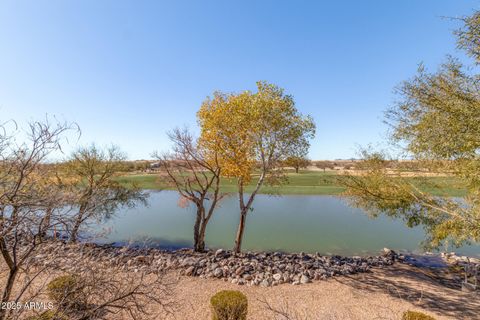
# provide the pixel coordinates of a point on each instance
(249, 268)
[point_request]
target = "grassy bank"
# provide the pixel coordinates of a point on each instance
(306, 183)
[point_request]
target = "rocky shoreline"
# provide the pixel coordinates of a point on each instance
(249, 268)
(273, 268)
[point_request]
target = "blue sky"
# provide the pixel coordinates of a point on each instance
(129, 71)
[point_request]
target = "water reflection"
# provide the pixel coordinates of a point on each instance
(324, 224)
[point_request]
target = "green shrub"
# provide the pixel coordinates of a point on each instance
(229, 305)
(49, 315)
(67, 291)
(414, 315)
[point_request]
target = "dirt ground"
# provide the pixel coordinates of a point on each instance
(382, 294)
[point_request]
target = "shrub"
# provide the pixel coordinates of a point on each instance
(49, 315)
(229, 305)
(414, 315)
(67, 291)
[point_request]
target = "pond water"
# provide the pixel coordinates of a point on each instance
(325, 224)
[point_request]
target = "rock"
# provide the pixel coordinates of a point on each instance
(219, 252)
(305, 279)
(188, 262)
(389, 252)
(277, 276)
(247, 277)
(468, 287)
(265, 283)
(141, 259)
(189, 271)
(240, 271)
(218, 273)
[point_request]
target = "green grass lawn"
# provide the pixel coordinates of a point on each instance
(305, 183)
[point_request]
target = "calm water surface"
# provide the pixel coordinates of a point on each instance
(324, 224)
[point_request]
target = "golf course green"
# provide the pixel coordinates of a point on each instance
(302, 183)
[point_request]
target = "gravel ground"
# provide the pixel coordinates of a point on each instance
(382, 294)
(381, 291)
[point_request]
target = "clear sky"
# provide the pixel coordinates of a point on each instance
(129, 71)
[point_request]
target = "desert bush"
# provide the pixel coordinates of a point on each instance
(414, 315)
(49, 315)
(229, 305)
(67, 291)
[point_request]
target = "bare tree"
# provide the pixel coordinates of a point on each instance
(90, 174)
(86, 285)
(195, 174)
(30, 203)
(35, 201)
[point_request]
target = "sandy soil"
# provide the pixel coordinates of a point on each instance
(382, 294)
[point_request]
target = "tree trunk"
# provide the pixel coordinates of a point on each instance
(201, 236)
(12, 275)
(244, 208)
(296, 169)
(81, 217)
(46, 223)
(240, 230)
(196, 231)
(76, 228)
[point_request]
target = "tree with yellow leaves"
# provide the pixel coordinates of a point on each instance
(253, 131)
